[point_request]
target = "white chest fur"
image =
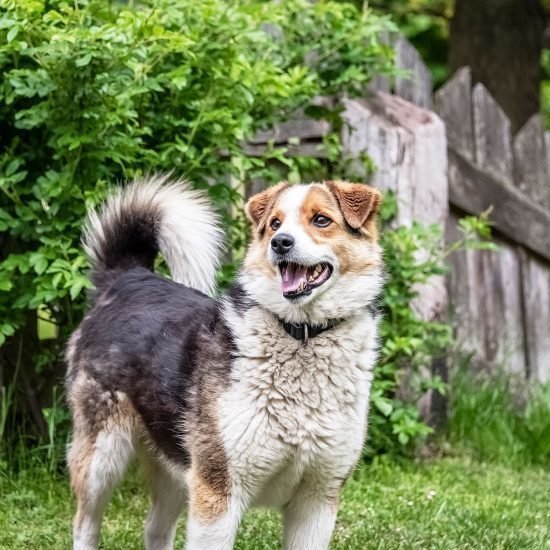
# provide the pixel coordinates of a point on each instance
(293, 407)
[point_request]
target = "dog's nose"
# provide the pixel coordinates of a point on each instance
(282, 243)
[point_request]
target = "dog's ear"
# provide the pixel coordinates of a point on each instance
(259, 205)
(358, 202)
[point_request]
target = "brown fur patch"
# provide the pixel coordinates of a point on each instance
(259, 206)
(79, 459)
(94, 410)
(319, 201)
(354, 252)
(358, 202)
(207, 502)
(209, 484)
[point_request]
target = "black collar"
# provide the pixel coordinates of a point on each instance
(304, 331)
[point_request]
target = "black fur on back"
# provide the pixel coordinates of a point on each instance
(152, 339)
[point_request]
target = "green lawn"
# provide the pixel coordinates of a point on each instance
(448, 503)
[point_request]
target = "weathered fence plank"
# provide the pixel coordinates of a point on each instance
(417, 87)
(486, 297)
(299, 126)
(308, 148)
(368, 130)
(492, 134)
(408, 146)
(463, 294)
(516, 216)
(530, 162)
(536, 296)
(381, 83)
(454, 105)
(493, 295)
(503, 275)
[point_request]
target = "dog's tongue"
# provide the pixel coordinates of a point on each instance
(293, 276)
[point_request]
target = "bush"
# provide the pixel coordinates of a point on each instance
(96, 92)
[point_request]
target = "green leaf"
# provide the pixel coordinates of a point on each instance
(40, 265)
(403, 438)
(5, 283)
(7, 329)
(84, 60)
(12, 34)
(76, 288)
(384, 405)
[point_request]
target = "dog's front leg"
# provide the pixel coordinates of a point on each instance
(309, 517)
(215, 533)
(214, 515)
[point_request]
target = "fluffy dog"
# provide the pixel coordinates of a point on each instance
(257, 398)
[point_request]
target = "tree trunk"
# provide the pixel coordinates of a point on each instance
(501, 40)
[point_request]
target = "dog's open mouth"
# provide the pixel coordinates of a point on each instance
(300, 280)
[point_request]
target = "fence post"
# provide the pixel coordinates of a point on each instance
(408, 145)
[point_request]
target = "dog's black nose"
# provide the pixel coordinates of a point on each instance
(282, 243)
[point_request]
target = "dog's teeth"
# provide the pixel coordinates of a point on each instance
(310, 279)
(318, 269)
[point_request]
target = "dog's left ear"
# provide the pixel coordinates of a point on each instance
(358, 202)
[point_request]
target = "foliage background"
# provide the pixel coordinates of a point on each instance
(95, 93)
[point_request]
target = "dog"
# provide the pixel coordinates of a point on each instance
(257, 398)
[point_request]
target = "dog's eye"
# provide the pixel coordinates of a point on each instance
(275, 224)
(321, 221)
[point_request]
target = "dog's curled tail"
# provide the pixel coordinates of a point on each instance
(151, 216)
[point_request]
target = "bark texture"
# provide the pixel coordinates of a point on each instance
(501, 40)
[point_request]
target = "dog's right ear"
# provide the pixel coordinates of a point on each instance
(258, 206)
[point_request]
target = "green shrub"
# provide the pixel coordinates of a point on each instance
(97, 92)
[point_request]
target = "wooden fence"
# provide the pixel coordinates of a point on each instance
(460, 159)
(501, 300)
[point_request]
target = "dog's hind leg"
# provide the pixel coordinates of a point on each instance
(97, 461)
(168, 499)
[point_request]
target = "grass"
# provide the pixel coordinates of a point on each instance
(499, 418)
(494, 495)
(447, 503)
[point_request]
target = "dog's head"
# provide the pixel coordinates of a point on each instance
(315, 253)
